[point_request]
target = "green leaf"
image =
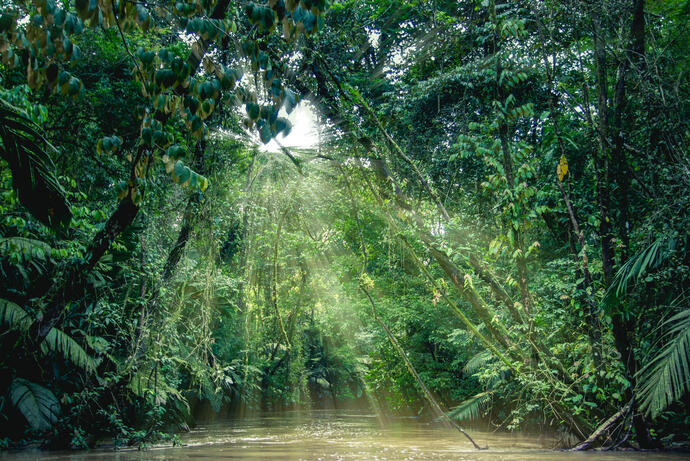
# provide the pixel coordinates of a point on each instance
(471, 408)
(666, 378)
(39, 405)
(253, 110)
(59, 342)
(74, 85)
(265, 133)
(283, 125)
(181, 173)
(478, 361)
(203, 183)
(176, 152)
(26, 247)
(639, 265)
(7, 22)
(147, 136)
(33, 171)
(14, 316)
(290, 100)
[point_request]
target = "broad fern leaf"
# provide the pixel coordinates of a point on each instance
(33, 171)
(472, 407)
(14, 316)
(667, 377)
(26, 247)
(479, 360)
(640, 264)
(59, 342)
(39, 405)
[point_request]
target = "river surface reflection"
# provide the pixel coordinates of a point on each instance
(341, 435)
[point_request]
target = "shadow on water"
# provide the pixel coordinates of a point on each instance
(342, 435)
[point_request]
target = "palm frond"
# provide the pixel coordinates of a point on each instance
(27, 247)
(33, 171)
(638, 265)
(59, 342)
(39, 405)
(472, 407)
(478, 361)
(14, 316)
(667, 377)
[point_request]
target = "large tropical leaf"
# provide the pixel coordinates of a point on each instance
(14, 316)
(39, 405)
(649, 258)
(28, 248)
(33, 171)
(666, 378)
(56, 341)
(472, 407)
(478, 361)
(61, 343)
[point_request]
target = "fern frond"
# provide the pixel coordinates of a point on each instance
(667, 377)
(39, 405)
(136, 384)
(478, 361)
(33, 171)
(28, 248)
(471, 408)
(14, 316)
(640, 264)
(56, 340)
(59, 342)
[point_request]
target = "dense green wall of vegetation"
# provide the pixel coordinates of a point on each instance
(493, 225)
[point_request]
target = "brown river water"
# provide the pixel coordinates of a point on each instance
(341, 435)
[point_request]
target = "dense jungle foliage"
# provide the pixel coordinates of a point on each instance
(492, 227)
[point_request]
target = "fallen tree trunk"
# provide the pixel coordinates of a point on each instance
(602, 429)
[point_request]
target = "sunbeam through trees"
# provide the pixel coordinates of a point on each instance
(472, 212)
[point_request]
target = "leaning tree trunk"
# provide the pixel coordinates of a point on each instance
(189, 219)
(391, 338)
(73, 285)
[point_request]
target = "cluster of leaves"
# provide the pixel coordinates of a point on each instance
(177, 105)
(245, 288)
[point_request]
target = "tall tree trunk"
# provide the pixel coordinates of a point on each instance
(189, 218)
(621, 326)
(601, 160)
(244, 248)
(586, 287)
